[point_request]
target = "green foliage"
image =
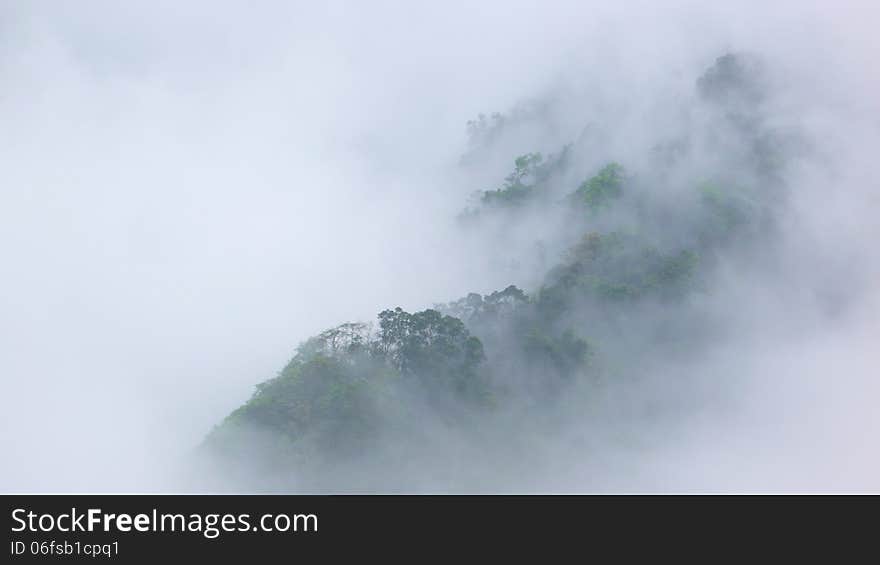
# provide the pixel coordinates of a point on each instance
(336, 393)
(436, 349)
(565, 353)
(518, 185)
(530, 180)
(617, 267)
(332, 405)
(345, 342)
(598, 192)
(475, 308)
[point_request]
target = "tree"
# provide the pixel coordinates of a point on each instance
(519, 184)
(434, 349)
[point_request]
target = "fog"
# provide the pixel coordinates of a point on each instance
(187, 192)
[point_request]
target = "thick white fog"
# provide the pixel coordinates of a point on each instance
(189, 190)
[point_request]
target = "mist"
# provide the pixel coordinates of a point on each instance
(189, 192)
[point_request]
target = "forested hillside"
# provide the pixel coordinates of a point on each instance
(455, 396)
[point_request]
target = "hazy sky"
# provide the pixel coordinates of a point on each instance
(187, 190)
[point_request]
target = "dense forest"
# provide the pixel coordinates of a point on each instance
(460, 396)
